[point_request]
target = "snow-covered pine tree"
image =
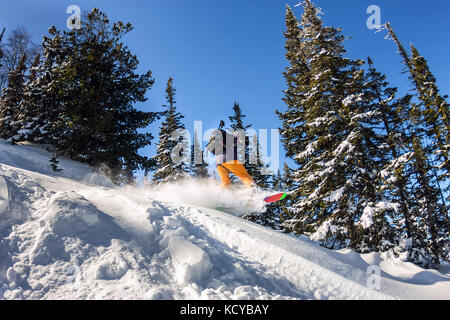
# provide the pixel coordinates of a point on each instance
(293, 117)
(327, 131)
(276, 181)
(274, 211)
(259, 171)
(26, 116)
(104, 120)
(256, 166)
(436, 114)
(435, 108)
(287, 178)
(392, 179)
(293, 131)
(289, 220)
(34, 68)
(10, 102)
(430, 215)
(199, 168)
(248, 148)
(240, 130)
(166, 170)
(84, 95)
(42, 104)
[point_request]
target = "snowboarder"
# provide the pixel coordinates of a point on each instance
(225, 147)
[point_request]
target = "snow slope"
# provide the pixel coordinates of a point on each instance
(73, 235)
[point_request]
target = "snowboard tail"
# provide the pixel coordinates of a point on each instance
(235, 210)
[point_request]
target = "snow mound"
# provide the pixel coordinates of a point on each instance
(114, 263)
(4, 195)
(69, 236)
(191, 262)
(13, 207)
(70, 215)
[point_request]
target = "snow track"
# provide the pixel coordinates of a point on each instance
(4, 195)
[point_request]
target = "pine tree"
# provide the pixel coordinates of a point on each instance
(293, 117)
(54, 162)
(42, 103)
(259, 171)
(275, 211)
(433, 107)
(248, 148)
(326, 129)
(240, 130)
(256, 166)
(287, 178)
(10, 102)
(436, 115)
(84, 95)
(34, 68)
(287, 217)
(167, 170)
(271, 216)
(430, 215)
(392, 178)
(26, 116)
(296, 135)
(199, 168)
(146, 183)
(237, 120)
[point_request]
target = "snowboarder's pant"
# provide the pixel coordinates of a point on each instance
(237, 168)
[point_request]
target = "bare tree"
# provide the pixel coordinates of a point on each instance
(1, 52)
(18, 43)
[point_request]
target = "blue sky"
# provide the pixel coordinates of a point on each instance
(219, 52)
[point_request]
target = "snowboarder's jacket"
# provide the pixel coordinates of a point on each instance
(224, 146)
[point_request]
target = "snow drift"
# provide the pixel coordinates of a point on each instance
(73, 235)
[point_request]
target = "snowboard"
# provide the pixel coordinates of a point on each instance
(275, 198)
(227, 209)
(271, 199)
